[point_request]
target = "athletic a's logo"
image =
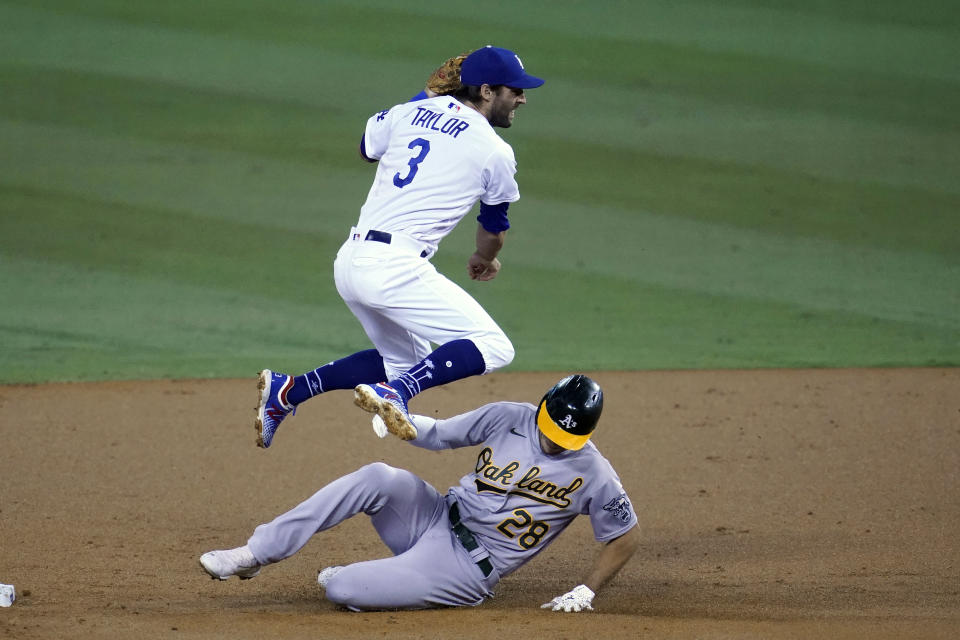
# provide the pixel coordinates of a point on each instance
(568, 422)
(518, 60)
(619, 507)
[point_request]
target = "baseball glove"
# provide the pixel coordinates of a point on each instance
(446, 79)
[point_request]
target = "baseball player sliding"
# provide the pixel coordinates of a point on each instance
(535, 472)
(437, 157)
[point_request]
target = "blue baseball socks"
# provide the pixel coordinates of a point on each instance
(363, 367)
(448, 362)
(451, 361)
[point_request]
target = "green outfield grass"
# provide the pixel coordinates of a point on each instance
(704, 184)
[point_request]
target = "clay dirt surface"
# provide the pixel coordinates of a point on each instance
(773, 504)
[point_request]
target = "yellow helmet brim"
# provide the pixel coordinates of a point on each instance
(556, 434)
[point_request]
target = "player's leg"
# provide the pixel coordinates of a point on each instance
(435, 572)
(372, 279)
(404, 305)
(346, 373)
(376, 396)
(470, 341)
(279, 393)
(397, 346)
(353, 275)
(400, 504)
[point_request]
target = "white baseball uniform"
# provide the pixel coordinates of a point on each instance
(437, 158)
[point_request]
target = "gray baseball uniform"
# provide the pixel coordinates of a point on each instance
(452, 549)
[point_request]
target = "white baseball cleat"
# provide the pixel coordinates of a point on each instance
(325, 575)
(238, 562)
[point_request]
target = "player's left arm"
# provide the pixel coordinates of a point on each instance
(608, 562)
(483, 265)
(611, 559)
(492, 228)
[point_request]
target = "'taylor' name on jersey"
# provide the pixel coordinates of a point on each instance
(530, 485)
(429, 119)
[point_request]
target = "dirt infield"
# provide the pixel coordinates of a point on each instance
(773, 504)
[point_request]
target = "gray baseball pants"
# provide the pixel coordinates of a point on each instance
(430, 567)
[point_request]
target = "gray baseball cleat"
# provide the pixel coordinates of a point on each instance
(238, 562)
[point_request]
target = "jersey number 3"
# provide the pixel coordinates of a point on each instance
(414, 162)
(534, 530)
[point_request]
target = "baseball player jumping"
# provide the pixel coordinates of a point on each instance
(437, 157)
(535, 472)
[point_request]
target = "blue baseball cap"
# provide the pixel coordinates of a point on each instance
(493, 65)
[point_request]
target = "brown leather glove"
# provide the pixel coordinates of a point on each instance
(446, 79)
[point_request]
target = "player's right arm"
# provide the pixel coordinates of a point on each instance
(443, 80)
(376, 134)
(363, 149)
(423, 95)
(465, 430)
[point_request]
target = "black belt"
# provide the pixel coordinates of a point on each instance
(465, 536)
(385, 238)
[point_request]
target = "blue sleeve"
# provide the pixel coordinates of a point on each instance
(493, 217)
(363, 149)
(420, 96)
